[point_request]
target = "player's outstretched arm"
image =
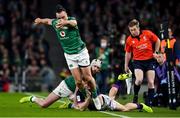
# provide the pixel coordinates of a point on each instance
(45, 21)
(157, 45)
(63, 22)
(127, 59)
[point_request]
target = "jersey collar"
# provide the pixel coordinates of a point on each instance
(137, 37)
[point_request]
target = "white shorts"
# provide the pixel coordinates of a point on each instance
(76, 60)
(63, 91)
(109, 103)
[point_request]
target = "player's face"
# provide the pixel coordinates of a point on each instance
(95, 69)
(61, 15)
(134, 30)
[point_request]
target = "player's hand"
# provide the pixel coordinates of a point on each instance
(126, 69)
(160, 58)
(37, 21)
(61, 23)
(155, 55)
(88, 93)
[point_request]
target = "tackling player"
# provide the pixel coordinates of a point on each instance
(66, 88)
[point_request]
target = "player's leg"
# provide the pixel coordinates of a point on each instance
(114, 89)
(109, 103)
(84, 63)
(60, 91)
(40, 101)
(72, 62)
(133, 106)
(78, 78)
(151, 90)
(118, 106)
(52, 97)
(139, 78)
(114, 105)
(92, 84)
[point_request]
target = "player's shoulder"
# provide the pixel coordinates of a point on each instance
(53, 22)
(70, 77)
(147, 31)
(54, 19)
(129, 38)
(71, 18)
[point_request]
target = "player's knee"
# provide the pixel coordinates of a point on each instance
(91, 81)
(138, 82)
(79, 83)
(125, 109)
(128, 107)
(88, 77)
(44, 105)
(150, 84)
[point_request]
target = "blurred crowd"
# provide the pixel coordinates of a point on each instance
(22, 45)
(102, 24)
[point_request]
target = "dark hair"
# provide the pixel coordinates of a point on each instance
(133, 22)
(60, 8)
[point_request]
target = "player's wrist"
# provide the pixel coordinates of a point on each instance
(67, 22)
(125, 65)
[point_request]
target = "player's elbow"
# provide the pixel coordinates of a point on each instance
(73, 23)
(158, 42)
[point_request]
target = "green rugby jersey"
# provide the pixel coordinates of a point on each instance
(70, 82)
(69, 38)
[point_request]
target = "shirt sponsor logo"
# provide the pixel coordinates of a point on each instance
(62, 33)
(71, 65)
(141, 47)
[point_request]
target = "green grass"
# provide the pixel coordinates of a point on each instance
(10, 107)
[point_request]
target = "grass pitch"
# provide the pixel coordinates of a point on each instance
(10, 107)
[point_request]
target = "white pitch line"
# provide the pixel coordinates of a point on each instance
(113, 114)
(109, 113)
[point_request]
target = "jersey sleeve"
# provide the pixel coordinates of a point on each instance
(53, 23)
(128, 47)
(71, 18)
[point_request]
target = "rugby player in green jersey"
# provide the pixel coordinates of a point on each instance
(75, 51)
(66, 88)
